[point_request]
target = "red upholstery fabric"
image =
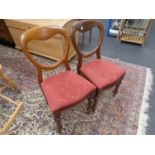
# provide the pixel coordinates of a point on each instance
(65, 89)
(102, 72)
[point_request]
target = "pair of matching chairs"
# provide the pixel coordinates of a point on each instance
(68, 88)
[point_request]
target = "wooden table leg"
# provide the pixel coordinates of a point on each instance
(7, 124)
(18, 105)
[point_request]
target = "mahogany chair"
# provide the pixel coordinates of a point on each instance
(64, 89)
(101, 72)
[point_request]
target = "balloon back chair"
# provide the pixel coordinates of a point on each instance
(101, 72)
(64, 89)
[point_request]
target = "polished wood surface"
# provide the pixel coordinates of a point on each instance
(18, 26)
(36, 22)
(45, 33)
(85, 26)
(5, 36)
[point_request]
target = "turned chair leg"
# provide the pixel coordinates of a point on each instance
(117, 87)
(95, 100)
(92, 102)
(57, 118)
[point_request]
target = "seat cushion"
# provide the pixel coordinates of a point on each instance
(102, 73)
(65, 89)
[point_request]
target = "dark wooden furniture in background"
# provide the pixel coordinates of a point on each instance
(5, 36)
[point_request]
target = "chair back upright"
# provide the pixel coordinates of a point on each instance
(83, 26)
(45, 33)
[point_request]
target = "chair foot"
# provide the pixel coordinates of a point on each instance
(117, 87)
(57, 118)
(95, 101)
(92, 102)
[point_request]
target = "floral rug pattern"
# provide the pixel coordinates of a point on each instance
(114, 115)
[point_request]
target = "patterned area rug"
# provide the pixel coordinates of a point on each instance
(117, 115)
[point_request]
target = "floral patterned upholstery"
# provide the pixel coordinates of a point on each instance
(102, 73)
(65, 89)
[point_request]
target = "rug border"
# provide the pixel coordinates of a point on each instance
(144, 111)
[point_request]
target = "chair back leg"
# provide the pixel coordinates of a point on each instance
(92, 102)
(57, 118)
(117, 87)
(95, 100)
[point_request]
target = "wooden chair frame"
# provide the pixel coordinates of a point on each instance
(83, 34)
(19, 105)
(44, 33)
(85, 26)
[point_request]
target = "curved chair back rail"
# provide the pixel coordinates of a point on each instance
(64, 89)
(84, 26)
(101, 72)
(45, 33)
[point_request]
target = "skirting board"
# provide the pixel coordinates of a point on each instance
(143, 117)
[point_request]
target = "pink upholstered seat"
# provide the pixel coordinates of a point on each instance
(65, 89)
(102, 73)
